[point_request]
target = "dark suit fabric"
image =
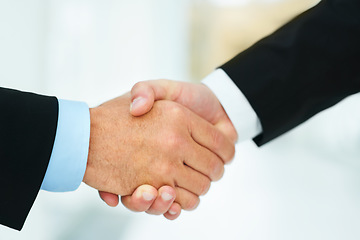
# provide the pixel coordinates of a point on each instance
(308, 65)
(27, 131)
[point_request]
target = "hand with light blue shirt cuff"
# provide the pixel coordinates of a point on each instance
(217, 100)
(68, 160)
(114, 152)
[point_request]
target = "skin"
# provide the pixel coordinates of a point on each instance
(168, 146)
(196, 97)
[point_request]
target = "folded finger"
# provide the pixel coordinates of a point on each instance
(211, 138)
(193, 181)
(110, 199)
(186, 199)
(141, 199)
(163, 201)
(174, 211)
(205, 162)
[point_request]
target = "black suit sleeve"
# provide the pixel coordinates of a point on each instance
(308, 65)
(27, 131)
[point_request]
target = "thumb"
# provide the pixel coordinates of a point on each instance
(142, 99)
(144, 94)
(226, 127)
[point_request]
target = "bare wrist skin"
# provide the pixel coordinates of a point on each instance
(90, 168)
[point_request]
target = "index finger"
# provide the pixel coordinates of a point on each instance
(208, 136)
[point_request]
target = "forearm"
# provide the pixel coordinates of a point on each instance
(27, 131)
(306, 66)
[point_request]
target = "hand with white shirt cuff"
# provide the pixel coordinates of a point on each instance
(202, 101)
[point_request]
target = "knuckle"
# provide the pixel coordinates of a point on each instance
(167, 169)
(216, 170)
(223, 146)
(191, 203)
(139, 85)
(220, 174)
(231, 153)
(176, 111)
(217, 139)
(173, 141)
(205, 186)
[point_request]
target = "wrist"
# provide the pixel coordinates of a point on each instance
(236, 105)
(89, 166)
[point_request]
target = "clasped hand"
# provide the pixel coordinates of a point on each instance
(174, 141)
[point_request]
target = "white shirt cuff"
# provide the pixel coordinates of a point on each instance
(68, 160)
(235, 104)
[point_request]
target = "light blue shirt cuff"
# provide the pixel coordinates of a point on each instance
(68, 160)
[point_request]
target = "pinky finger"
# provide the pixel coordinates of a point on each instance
(174, 211)
(110, 199)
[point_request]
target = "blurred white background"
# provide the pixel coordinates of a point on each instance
(304, 185)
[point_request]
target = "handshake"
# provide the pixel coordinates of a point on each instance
(162, 154)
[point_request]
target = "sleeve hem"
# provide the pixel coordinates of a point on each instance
(235, 104)
(69, 156)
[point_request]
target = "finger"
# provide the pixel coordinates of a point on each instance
(211, 138)
(163, 201)
(225, 126)
(206, 162)
(193, 181)
(174, 211)
(186, 199)
(141, 199)
(110, 199)
(144, 94)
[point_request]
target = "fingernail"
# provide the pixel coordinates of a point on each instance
(137, 102)
(166, 197)
(172, 212)
(148, 196)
